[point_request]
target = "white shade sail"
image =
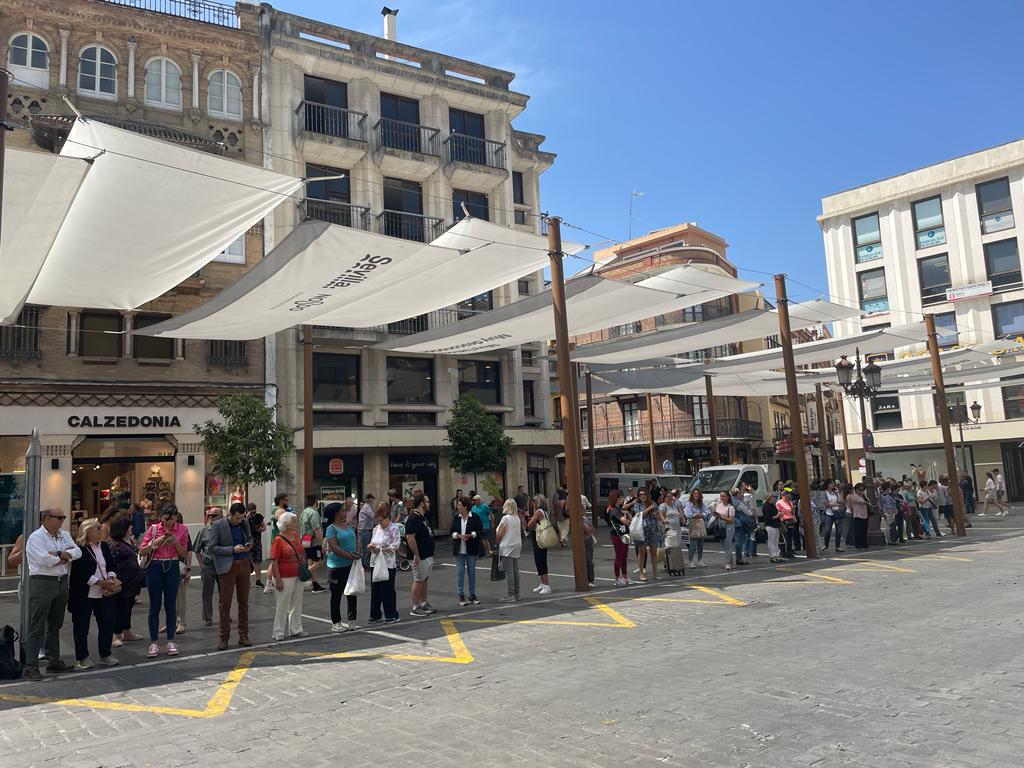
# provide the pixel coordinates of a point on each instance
(326, 274)
(148, 215)
(869, 342)
(697, 284)
(730, 329)
(39, 189)
(910, 365)
(592, 303)
(689, 380)
(955, 377)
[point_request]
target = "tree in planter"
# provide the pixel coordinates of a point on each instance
(249, 445)
(477, 442)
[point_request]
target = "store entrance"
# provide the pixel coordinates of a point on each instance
(115, 471)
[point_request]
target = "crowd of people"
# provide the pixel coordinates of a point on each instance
(98, 575)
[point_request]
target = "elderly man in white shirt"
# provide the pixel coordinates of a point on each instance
(48, 555)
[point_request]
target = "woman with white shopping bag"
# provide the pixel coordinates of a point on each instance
(645, 530)
(342, 550)
(383, 545)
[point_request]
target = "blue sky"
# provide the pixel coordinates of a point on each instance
(737, 115)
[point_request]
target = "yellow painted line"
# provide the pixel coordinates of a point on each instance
(866, 566)
(810, 575)
(728, 599)
(607, 610)
(617, 619)
(941, 557)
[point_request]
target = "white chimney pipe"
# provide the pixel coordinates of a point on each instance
(390, 23)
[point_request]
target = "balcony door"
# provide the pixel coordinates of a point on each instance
(325, 101)
(467, 136)
(631, 420)
(400, 120)
(403, 209)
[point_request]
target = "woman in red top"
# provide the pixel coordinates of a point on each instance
(286, 553)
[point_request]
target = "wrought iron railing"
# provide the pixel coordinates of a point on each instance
(409, 226)
(411, 137)
(439, 318)
(230, 354)
(21, 340)
(337, 212)
(675, 429)
(325, 120)
(206, 11)
(472, 149)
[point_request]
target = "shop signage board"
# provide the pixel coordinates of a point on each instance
(413, 463)
(333, 492)
(971, 291)
(336, 466)
(538, 463)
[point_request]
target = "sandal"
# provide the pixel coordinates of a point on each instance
(180, 629)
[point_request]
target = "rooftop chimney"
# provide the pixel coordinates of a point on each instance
(390, 22)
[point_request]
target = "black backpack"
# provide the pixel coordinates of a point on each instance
(10, 663)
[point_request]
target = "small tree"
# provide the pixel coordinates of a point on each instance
(249, 445)
(477, 442)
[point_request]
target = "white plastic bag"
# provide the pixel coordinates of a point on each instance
(636, 527)
(356, 583)
(380, 568)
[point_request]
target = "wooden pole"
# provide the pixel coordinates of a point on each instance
(848, 470)
(713, 422)
(307, 410)
(570, 410)
(650, 434)
(947, 435)
(591, 449)
(822, 433)
(786, 337)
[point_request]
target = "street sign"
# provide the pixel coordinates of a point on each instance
(666, 466)
(336, 466)
(969, 291)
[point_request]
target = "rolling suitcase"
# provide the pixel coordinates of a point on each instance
(674, 561)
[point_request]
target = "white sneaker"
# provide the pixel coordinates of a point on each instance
(352, 625)
(700, 564)
(108, 661)
(538, 588)
(339, 627)
(117, 643)
(636, 570)
(83, 664)
(544, 590)
(591, 584)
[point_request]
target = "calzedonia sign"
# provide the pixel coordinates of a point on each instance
(111, 421)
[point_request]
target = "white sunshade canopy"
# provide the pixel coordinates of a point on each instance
(592, 303)
(689, 380)
(752, 324)
(966, 376)
(327, 274)
(39, 188)
(912, 365)
(883, 340)
(147, 215)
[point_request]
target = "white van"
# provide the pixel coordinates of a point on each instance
(711, 481)
(628, 483)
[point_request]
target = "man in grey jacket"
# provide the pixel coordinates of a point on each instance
(201, 549)
(229, 542)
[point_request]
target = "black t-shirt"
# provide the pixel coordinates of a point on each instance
(613, 516)
(417, 525)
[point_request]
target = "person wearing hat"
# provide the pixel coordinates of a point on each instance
(483, 511)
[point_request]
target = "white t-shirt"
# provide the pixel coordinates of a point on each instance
(511, 544)
(1000, 483)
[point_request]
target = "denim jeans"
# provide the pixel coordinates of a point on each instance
(162, 580)
(841, 524)
(511, 568)
(740, 540)
(462, 564)
(928, 514)
(695, 550)
(727, 543)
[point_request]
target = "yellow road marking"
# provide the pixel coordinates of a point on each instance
(617, 619)
(942, 557)
(807, 577)
(866, 566)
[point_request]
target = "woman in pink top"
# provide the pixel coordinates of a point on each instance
(166, 544)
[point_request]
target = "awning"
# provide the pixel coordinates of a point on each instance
(592, 303)
(730, 329)
(327, 274)
(38, 191)
(148, 215)
(689, 380)
(869, 342)
(954, 377)
(907, 365)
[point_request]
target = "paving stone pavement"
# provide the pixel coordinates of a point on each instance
(902, 657)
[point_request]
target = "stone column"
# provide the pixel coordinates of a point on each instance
(190, 479)
(131, 67)
(195, 80)
(65, 34)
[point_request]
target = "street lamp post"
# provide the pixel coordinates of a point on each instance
(958, 413)
(864, 387)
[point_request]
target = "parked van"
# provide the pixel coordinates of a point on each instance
(628, 483)
(713, 480)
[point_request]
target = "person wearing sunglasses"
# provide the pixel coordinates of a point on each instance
(49, 553)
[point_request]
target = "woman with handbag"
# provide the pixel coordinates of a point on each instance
(652, 536)
(695, 511)
(126, 563)
(467, 534)
(91, 591)
(342, 550)
(383, 547)
(510, 544)
(726, 512)
(787, 519)
(618, 520)
(288, 566)
(163, 548)
(857, 503)
(835, 516)
(772, 524)
(540, 525)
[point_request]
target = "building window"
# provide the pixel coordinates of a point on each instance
(928, 222)
(886, 410)
(934, 275)
(21, 340)
(234, 253)
(97, 72)
(411, 419)
(410, 380)
(230, 354)
(584, 420)
(28, 58)
(994, 206)
(1002, 263)
(867, 238)
(163, 84)
(99, 334)
(626, 329)
(403, 210)
(325, 105)
(630, 419)
(151, 347)
(518, 191)
(329, 200)
(1008, 319)
(956, 405)
(524, 287)
(1013, 401)
(335, 378)
(467, 137)
(476, 202)
(400, 123)
(481, 379)
(526, 355)
(873, 297)
(337, 419)
(947, 320)
(529, 403)
(224, 97)
(474, 305)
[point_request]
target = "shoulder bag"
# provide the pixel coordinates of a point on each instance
(304, 574)
(144, 559)
(636, 527)
(546, 536)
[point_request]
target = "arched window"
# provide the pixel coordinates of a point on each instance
(163, 83)
(28, 58)
(97, 72)
(224, 98)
